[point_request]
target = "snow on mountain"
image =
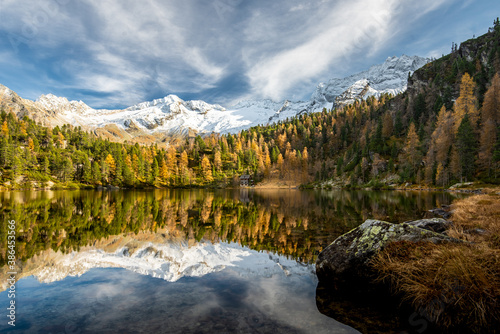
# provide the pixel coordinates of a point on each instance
(169, 115)
(156, 120)
(172, 261)
(388, 77)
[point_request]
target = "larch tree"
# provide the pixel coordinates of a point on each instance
(5, 129)
(466, 103)
(206, 169)
(487, 141)
(388, 126)
(441, 175)
(466, 147)
(412, 155)
(442, 137)
(217, 161)
(111, 167)
(491, 104)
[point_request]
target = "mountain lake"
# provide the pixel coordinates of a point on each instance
(185, 261)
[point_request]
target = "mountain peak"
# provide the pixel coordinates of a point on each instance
(388, 77)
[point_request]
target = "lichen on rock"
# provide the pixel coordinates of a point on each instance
(347, 259)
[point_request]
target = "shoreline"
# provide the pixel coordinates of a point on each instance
(450, 286)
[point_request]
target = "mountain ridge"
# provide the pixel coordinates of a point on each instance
(170, 116)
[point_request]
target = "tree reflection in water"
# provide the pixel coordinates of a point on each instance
(298, 224)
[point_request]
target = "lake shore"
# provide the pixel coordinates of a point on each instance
(453, 286)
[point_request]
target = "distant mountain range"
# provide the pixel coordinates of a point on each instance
(160, 119)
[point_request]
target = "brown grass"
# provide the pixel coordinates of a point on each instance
(454, 285)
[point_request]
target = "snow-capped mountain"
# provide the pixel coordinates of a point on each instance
(388, 77)
(158, 120)
(167, 260)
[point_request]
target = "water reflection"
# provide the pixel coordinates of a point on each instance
(293, 223)
(227, 261)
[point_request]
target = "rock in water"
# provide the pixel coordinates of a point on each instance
(345, 262)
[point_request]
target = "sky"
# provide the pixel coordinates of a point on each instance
(114, 54)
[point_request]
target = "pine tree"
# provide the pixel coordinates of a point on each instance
(45, 167)
(387, 125)
(87, 171)
(155, 172)
(96, 173)
(16, 166)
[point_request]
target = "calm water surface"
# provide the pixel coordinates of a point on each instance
(182, 261)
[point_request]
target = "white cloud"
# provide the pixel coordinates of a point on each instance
(360, 25)
(127, 49)
(349, 29)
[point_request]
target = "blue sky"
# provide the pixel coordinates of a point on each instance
(113, 54)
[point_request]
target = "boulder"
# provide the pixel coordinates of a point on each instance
(346, 261)
(441, 212)
(438, 225)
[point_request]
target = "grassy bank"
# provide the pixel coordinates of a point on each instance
(456, 286)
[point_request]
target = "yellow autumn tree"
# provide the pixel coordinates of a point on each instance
(60, 139)
(31, 144)
(110, 161)
(5, 129)
(164, 174)
(491, 104)
(466, 103)
(217, 161)
(487, 143)
(206, 169)
(22, 129)
(441, 175)
(411, 151)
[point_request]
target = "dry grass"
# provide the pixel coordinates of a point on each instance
(454, 285)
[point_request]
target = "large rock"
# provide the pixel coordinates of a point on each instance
(438, 225)
(346, 260)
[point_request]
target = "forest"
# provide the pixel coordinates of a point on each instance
(444, 129)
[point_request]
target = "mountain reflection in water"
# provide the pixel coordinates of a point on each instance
(235, 260)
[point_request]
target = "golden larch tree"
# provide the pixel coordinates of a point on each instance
(491, 104)
(5, 129)
(206, 169)
(487, 143)
(411, 152)
(466, 103)
(110, 161)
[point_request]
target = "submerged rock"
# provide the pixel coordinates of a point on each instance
(346, 261)
(438, 225)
